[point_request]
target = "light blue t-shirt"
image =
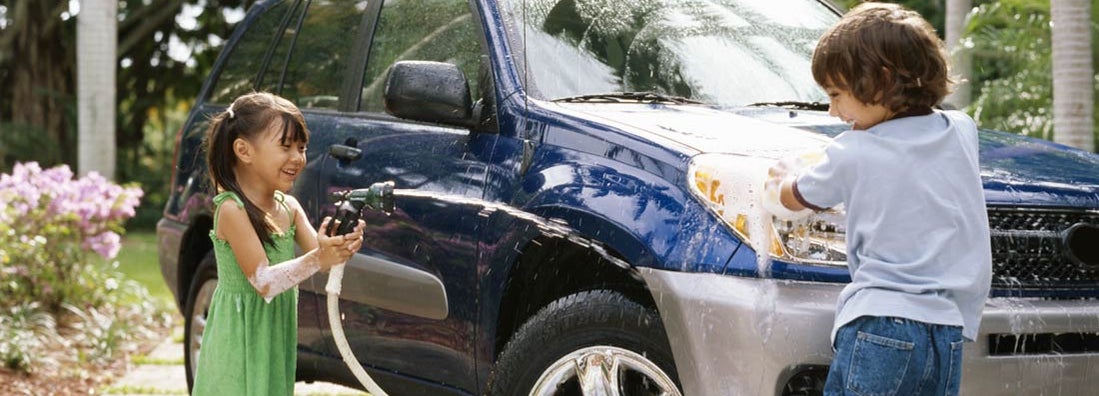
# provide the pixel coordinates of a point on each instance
(917, 227)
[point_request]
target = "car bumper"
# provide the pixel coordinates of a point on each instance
(748, 336)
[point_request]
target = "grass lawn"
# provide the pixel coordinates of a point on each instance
(138, 261)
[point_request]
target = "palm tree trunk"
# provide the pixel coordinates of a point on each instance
(39, 81)
(96, 44)
(961, 57)
(1073, 76)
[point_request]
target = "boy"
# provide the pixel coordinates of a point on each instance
(917, 229)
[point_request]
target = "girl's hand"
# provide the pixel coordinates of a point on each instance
(355, 237)
(328, 224)
(336, 250)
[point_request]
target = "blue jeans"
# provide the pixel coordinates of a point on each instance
(895, 356)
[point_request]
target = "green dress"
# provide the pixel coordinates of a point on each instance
(249, 346)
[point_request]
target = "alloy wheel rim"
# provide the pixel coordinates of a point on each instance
(604, 371)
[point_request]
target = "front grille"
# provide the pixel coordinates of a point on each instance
(1028, 249)
(1042, 344)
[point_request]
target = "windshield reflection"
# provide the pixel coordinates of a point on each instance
(721, 52)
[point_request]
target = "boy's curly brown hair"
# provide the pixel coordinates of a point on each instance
(884, 54)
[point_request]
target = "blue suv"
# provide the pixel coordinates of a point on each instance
(575, 185)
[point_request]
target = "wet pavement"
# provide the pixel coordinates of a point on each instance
(161, 373)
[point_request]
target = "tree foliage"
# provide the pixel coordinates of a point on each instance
(154, 83)
(37, 84)
(165, 49)
(1012, 67)
(1012, 62)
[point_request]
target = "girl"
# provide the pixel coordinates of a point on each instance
(255, 150)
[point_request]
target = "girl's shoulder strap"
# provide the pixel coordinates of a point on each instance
(280, 197)
(218, 199)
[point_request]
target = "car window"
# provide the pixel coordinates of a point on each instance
(322, 53)
(428, 30)
(722, 52)
(267, 38)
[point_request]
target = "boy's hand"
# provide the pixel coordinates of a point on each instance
(782, 168)
(778, 196)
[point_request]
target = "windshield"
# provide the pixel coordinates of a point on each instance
(720, 52)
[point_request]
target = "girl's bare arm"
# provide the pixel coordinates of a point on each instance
(305, 236)
(267, 280)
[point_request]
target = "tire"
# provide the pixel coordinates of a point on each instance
(601, 328)
(194, 315)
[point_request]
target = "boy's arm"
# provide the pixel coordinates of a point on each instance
(787, 196)
(779, 193)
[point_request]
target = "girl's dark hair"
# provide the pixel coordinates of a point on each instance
(247, 118)
(884, 54)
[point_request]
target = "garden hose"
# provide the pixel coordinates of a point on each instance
(335, 283)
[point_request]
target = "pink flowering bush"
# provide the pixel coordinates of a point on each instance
(52, 228)
(90, 209)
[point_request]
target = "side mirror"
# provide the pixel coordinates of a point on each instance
(428, 91)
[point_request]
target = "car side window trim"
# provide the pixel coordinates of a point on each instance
(270, 53)
(356, 70)
(233, 44)
(293, 44)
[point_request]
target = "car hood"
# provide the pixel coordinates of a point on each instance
(1016, 170)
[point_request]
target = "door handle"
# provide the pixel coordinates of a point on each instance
(345, 153)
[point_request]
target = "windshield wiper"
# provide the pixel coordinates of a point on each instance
(620, 97)
(794, 105)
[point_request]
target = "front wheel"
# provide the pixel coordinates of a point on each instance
(589, 343)
(197, 306)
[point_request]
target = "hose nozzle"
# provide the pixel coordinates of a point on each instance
(350, 203)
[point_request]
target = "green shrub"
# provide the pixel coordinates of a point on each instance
(23, 329)
(57, 292)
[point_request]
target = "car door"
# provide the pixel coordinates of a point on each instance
(408, 296)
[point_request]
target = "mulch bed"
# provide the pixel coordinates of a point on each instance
(71, 377)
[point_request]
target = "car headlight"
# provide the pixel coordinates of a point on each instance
(730, 186)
